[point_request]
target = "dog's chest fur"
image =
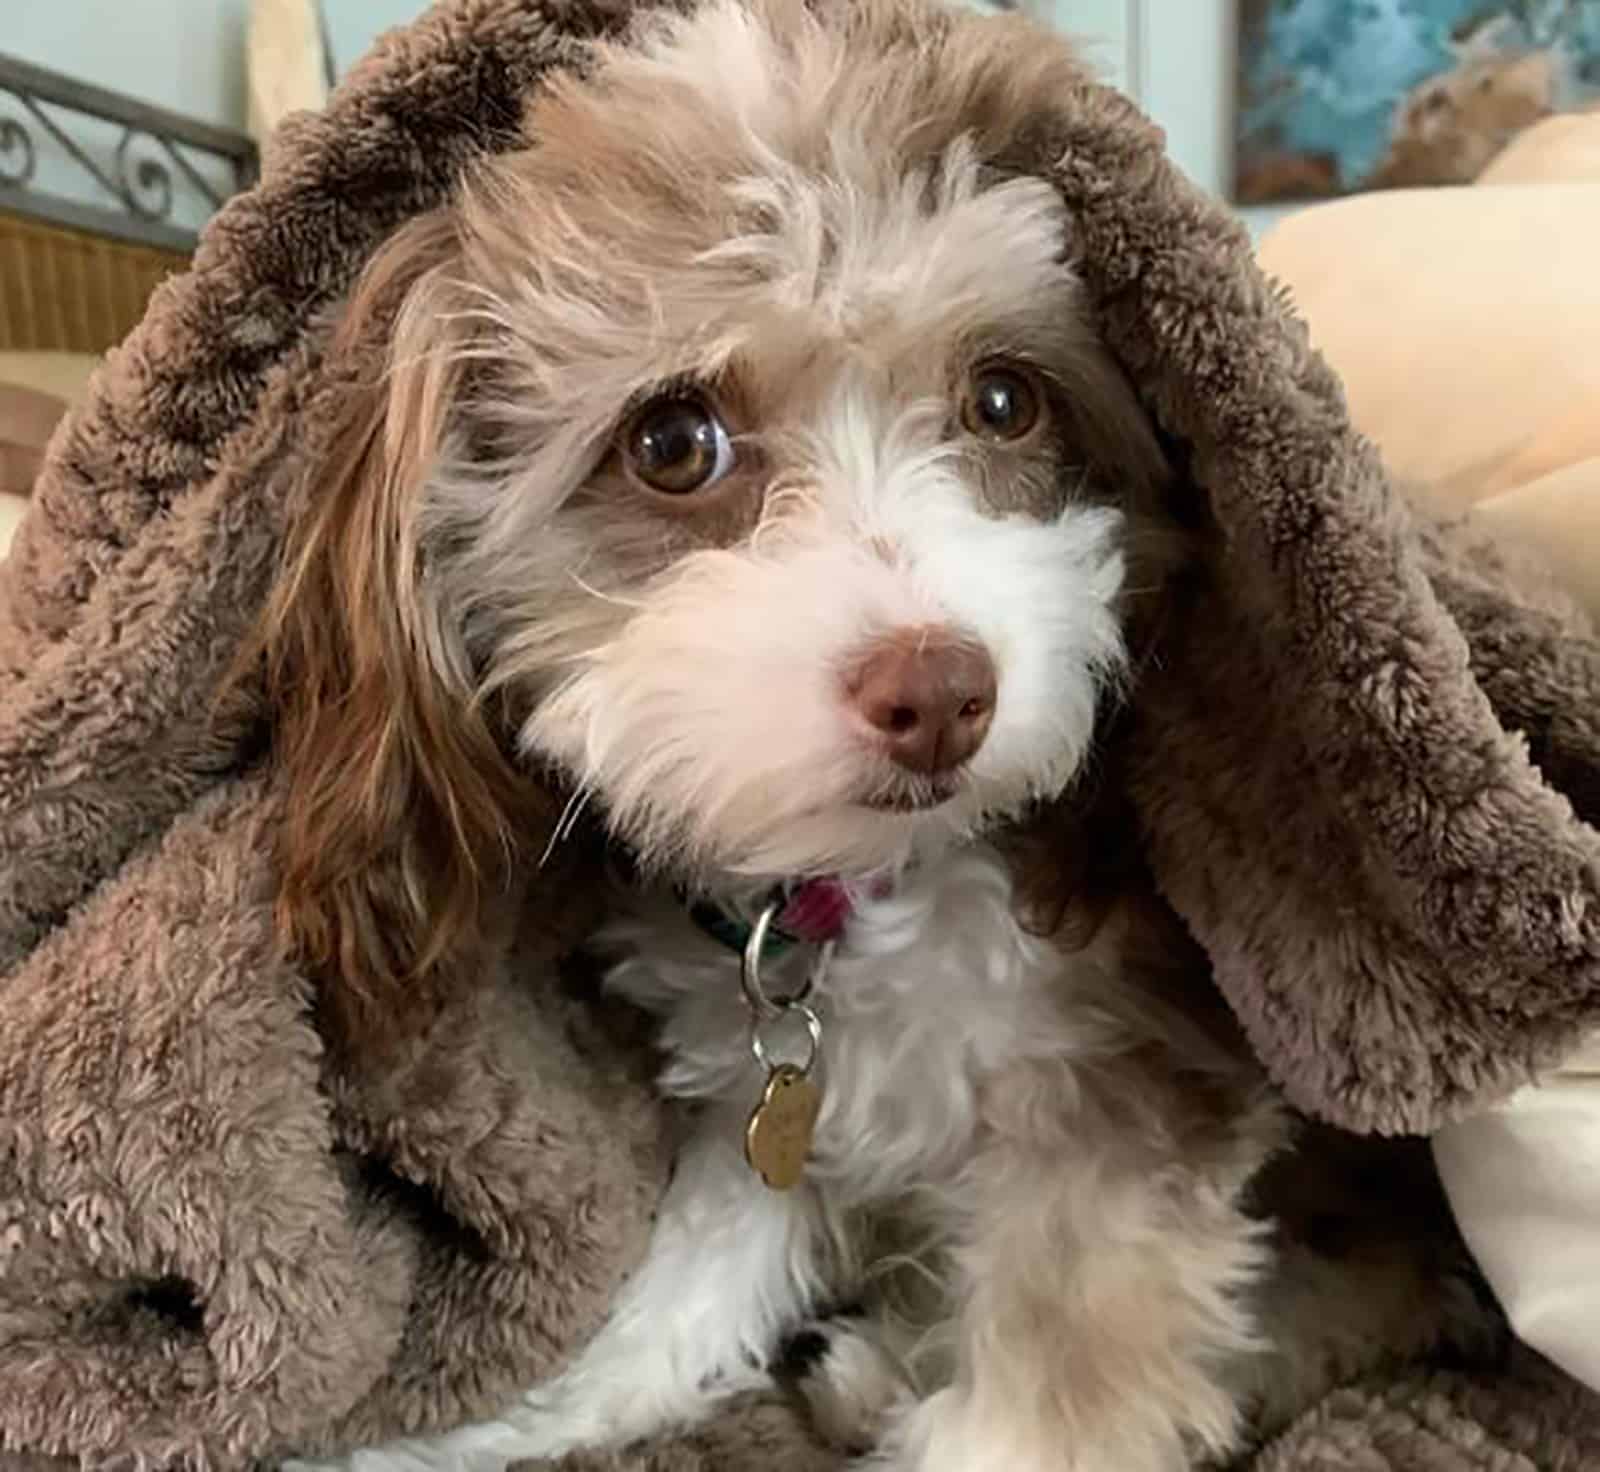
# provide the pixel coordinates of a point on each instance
(1028, 1174)
(931, 995)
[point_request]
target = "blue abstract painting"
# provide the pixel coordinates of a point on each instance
(1342, 95)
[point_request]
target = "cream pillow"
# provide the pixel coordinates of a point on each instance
(1463, 322)
(1523, 1179)
(1559, 516)
(1564, 149)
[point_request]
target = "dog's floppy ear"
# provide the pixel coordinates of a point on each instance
(1326, 760)
(1330, 750)
(399, 803)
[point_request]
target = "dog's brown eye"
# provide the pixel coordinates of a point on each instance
(677, 445)
(1001, 403)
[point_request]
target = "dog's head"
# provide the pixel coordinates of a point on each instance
(745, 459)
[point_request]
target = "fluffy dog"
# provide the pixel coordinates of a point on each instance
(747, 468)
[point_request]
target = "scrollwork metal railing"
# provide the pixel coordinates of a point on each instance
(127, 189)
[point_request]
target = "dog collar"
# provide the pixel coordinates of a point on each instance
(811, 912)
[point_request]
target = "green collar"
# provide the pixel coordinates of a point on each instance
(809, 912)
(729, 928)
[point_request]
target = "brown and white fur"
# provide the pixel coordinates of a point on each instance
(1030, 1167)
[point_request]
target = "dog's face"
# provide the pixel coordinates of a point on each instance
(745, 447)
(792, 552)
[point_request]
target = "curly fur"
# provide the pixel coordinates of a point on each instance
(1029, 1167)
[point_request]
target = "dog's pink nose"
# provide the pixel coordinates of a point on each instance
(927, 695)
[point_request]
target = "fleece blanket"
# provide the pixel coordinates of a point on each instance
(1364, 765)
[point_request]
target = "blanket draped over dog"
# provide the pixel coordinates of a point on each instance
(1363, 761)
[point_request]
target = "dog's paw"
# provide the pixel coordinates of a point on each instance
(848, 1378)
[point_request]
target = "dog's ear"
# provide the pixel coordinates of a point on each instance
(400, 806)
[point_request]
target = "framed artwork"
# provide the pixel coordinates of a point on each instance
(1336, 96)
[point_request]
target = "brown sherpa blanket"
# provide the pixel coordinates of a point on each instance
(1362, 764)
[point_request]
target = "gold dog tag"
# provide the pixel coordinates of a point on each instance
(778, 1138)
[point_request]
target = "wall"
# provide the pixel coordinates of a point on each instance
(184, 54)
(187, 55)
(353, 25)
(1174, 56)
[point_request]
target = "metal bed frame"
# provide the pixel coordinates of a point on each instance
(157, 150)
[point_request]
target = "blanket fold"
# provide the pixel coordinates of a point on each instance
(204, 1232)
(1364, 760)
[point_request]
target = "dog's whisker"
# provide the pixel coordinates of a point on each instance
(632, 604)
(574, 811)
(568, 820)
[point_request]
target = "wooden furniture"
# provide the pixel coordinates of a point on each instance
(100, 197)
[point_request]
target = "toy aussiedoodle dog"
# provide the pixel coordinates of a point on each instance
(748, 459)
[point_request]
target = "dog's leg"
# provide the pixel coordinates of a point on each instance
(1098, 1286)
(851, 1371)
(731, 1266)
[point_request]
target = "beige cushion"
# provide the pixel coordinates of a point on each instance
(1464, 324)
(65, 375)
(27, 420)
(11, 509)
(1559, 516)
(35, 390)
(1565, 148)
